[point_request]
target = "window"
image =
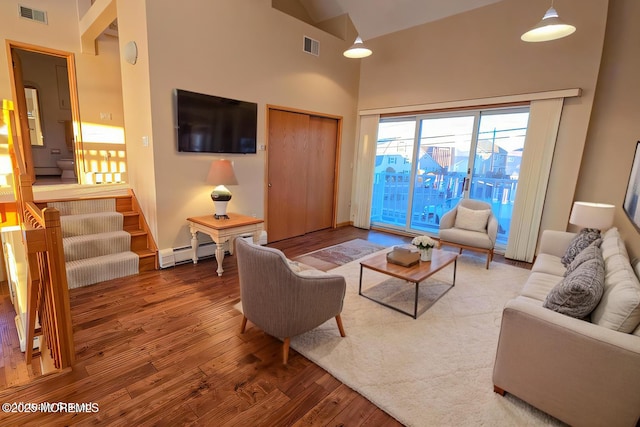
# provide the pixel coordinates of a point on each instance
(439, 158)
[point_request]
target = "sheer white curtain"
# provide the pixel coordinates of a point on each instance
(544, 119)
(365, 158)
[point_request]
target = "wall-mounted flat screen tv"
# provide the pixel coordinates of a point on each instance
(211, 124)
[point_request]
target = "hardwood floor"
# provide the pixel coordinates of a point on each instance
(164, 348)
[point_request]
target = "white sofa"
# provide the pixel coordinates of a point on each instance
(583, 372)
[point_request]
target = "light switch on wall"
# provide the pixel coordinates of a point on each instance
(145, 141)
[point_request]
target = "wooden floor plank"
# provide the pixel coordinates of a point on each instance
(379, 418)
(227, 394)
(300, 405)
(253, 414)
(328, 408)
(158, 399)
(356, 413)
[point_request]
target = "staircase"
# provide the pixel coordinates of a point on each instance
(103, 239)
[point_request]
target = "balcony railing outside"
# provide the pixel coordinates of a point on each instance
(436, 194)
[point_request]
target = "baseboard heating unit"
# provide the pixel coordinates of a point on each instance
(175, 256)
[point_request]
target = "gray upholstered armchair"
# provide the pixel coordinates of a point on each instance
(470, 225)
(282, 302)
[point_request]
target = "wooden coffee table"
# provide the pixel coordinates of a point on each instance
(414, 274)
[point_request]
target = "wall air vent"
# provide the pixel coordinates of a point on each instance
(311, 46)
(32, 14)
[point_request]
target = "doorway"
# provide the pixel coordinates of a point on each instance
(44, 91)
(302, 173)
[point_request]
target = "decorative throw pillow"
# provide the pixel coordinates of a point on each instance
(584, 238)
(312, 272)
(578, 294)
(294, 265)
(298, 267)
(590, 252)
(619, 308)
(471, 219)
(612, 244)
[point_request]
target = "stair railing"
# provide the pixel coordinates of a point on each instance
(47, 288)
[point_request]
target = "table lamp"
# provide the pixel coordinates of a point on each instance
(221, 174)
(598, 216)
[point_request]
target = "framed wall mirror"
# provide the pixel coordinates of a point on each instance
(34, 116)
(632, 198)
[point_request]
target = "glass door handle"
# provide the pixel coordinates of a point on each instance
(467, 179)
(465, 184)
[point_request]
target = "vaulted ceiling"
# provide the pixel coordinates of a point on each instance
(374, 18)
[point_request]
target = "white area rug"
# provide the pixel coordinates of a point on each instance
(433, 371)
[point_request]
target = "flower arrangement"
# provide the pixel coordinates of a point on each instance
(423, 242)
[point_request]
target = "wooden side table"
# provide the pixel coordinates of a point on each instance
(222, 231)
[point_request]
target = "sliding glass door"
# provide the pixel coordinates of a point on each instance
(425, 164)
(444, 144)
(497, 167)
(392, 172)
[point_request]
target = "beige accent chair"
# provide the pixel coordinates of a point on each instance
(284, 302)
(477, 233)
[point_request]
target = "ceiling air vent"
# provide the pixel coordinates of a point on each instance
(311, 46)
(32, 14)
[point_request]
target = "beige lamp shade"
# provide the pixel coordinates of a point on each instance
(221, 173)
(592, 215)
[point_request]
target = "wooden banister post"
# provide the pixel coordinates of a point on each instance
(59, 286)
(33, 290)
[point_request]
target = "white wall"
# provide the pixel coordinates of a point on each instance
(243, 50)
(99, 85)
(479, 54)
(246, 50)
(132, 26)
(614, 128)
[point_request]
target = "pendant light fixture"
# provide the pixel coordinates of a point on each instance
(550, 28)
(358, 50)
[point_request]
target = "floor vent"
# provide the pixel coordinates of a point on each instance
(32, 14)
(311, 46)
